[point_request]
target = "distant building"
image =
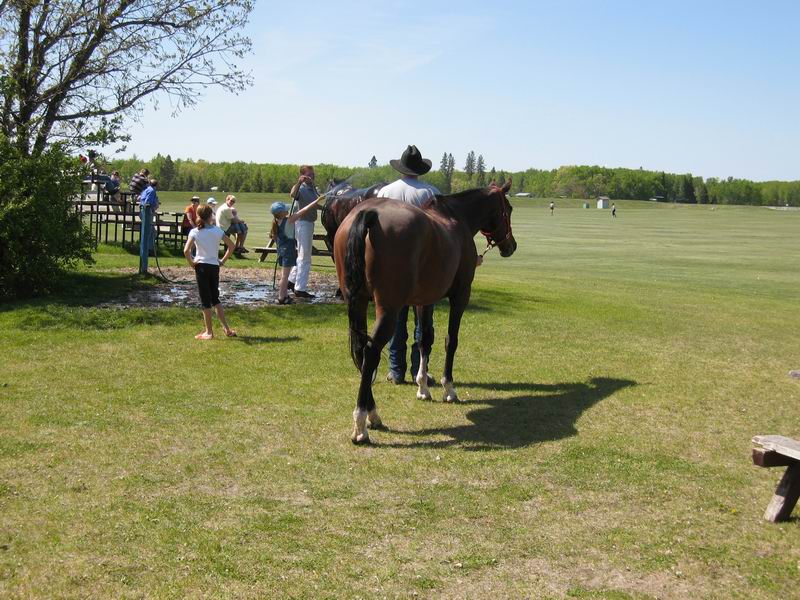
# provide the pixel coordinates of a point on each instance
(523, 195)
(657, 199)
(602, 201)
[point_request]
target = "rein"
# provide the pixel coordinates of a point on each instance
(491, 237)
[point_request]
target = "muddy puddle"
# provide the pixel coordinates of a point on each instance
(237, 287)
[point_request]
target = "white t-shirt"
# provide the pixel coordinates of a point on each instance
(409, 190)
(224, 216)
(206, 241)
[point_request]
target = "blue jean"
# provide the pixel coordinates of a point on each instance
(145, 237)
(398, 344)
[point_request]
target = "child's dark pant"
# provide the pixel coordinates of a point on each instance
(207, 284)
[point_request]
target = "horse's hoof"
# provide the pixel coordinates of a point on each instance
(379, 426)
(360, 440)
(426, 395)
(451, 398)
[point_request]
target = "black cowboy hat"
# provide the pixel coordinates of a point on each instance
(411, 163)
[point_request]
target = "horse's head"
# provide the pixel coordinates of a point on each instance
(498, 233)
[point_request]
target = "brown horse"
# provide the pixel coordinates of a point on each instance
(401, 255)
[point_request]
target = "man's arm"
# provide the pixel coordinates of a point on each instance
(296, 187)
(307, 208)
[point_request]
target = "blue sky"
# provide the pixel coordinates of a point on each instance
(710, 88)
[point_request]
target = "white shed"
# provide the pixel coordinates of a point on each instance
(602, 201)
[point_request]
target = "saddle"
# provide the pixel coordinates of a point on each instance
(345, 192)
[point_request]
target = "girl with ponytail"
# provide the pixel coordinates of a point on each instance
(204, 239)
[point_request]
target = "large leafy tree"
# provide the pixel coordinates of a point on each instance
(76, 70)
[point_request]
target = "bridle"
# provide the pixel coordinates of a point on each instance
(505, 219)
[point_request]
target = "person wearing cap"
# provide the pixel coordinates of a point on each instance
(190, 215)
(231, 224)
(213, 204)
(283, 232)
(112, 188)
(304, 193)
(413, 191)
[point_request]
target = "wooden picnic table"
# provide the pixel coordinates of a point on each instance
(270, 248)
(780, 451)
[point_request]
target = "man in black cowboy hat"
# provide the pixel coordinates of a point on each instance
(408, 189)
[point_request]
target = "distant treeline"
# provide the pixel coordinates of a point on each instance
(568, 181)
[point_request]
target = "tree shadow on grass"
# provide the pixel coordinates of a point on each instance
(84, 289)
(547, 412)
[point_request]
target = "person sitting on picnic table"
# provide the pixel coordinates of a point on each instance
(228, 220)
(112, 188)
(139, 182)
(190, 215)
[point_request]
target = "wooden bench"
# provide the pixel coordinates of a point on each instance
(270, 248)
(780, 451)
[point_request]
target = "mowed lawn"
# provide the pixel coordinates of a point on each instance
(612, 374)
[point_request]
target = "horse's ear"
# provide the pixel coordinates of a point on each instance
(506, 186)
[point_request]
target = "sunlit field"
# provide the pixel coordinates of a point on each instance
(612, 372)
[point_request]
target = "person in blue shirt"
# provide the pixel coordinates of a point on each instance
(283, 234)
(148, 202)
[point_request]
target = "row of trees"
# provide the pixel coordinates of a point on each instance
(639, 184)
(201, 175)
(568, 181)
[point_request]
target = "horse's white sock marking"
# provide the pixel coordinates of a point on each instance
(423, 393)
(360, 426)
(450, 394)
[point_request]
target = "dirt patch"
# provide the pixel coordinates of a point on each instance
(237, 287)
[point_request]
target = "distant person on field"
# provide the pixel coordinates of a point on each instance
(228, 220)
(283, 231)
(190, 215)
(304, 193)
(139, 182)
(204, 241)
(413, 191)
(613, 211)
(552, 208)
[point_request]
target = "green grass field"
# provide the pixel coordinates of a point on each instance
(612, 372)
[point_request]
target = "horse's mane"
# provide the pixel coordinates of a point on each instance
(461, 195)
(443, 201)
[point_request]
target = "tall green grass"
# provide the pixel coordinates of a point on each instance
(612, 372)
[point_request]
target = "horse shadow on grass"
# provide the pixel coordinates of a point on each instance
(545, 412)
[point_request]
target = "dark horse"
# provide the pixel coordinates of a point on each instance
(341, 198)
(401, 255)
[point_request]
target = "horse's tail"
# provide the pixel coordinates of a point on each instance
(355, 269)
(329, 223)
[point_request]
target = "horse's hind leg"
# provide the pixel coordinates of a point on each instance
(425, 320)
(366, 409)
